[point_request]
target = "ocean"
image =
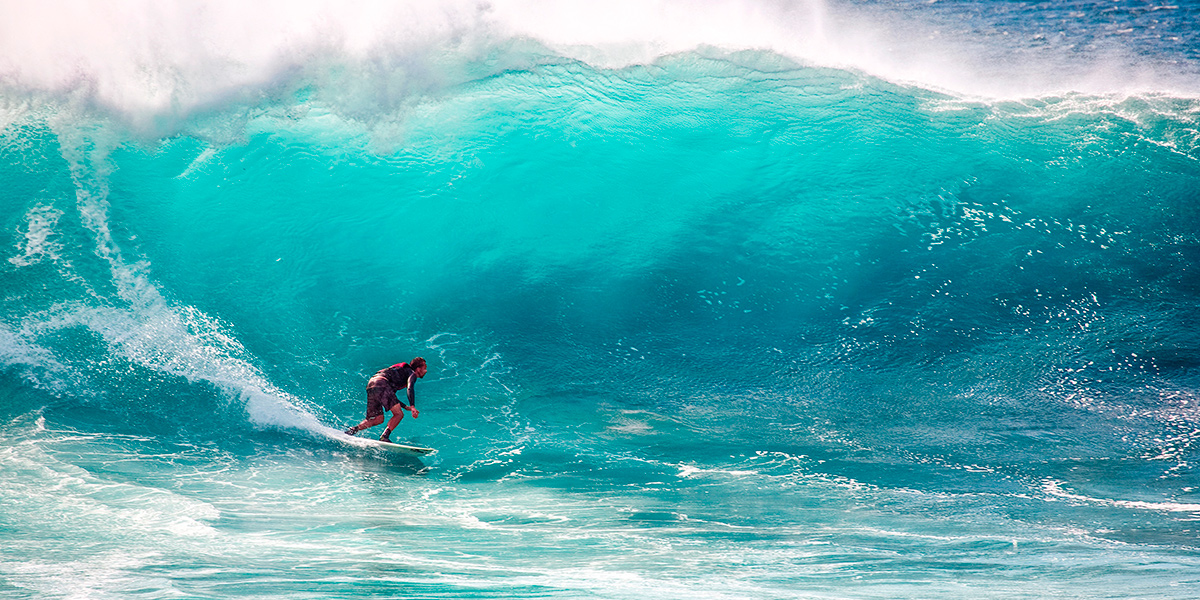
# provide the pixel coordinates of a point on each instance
(727, 299)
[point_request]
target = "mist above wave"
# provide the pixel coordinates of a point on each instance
(156, 64)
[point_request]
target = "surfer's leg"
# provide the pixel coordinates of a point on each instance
(397, 416)
(366, 424)
(376, 398)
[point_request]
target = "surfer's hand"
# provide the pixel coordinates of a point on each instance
(414, 412)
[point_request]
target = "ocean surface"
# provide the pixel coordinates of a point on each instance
(721, 300)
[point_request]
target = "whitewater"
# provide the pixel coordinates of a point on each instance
(722, 299)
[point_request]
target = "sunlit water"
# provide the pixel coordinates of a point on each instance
(729, 300)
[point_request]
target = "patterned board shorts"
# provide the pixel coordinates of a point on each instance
(380, 399)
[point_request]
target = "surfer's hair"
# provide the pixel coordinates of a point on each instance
(417, 363)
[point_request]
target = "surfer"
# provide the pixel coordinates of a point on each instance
(381, 396)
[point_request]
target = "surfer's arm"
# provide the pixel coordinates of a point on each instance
(412, 396)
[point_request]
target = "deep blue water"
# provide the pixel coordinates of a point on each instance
(728, 300)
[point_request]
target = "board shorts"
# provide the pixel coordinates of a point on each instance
(381, 397)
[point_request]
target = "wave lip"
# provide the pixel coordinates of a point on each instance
(155, 64)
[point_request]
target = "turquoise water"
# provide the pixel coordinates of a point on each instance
(717, 303)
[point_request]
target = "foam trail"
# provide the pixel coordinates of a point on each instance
(140, 324)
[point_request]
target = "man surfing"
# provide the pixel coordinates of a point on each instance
(381, 396)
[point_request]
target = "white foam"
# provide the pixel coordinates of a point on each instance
(51, 501)
(38, 242)
(686, 471)
(38, 364)
(1055, 489)
(153, 61)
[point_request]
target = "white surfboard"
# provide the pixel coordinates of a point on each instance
(366, 442)
(401, 448)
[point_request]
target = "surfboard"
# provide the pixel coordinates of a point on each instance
(365, 442)
(401, 448)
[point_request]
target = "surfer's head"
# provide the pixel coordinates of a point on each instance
(418, 365)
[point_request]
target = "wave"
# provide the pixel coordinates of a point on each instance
(902, 282)
(157, 67)
(719, 272)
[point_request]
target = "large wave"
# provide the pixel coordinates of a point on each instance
(883, 295)
(743, 233)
